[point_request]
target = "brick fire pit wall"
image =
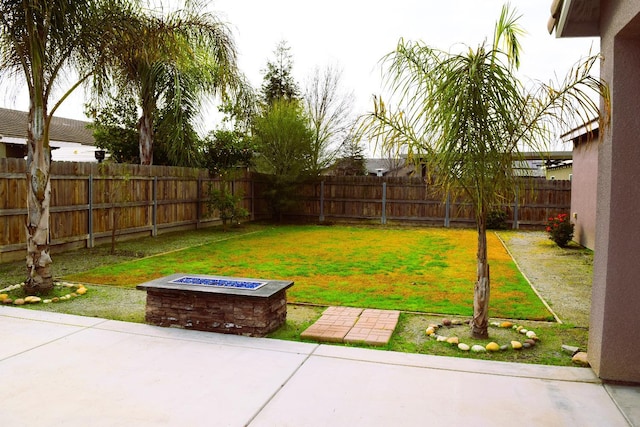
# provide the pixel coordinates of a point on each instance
(209, 308)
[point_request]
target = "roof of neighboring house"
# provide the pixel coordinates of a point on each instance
(547, 155)
(563, 164)
(532, 163)
(583, 134)
(385, 165)
(13, 123)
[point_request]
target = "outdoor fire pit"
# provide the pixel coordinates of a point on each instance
(231, 305)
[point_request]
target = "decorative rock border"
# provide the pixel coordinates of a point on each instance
(530, 341)
(75, 290)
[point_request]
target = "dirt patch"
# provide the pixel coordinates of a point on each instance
(562, 276)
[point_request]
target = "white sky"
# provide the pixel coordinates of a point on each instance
(355, 34)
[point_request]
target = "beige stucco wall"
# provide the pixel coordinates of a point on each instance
(614, 344)
(584, 189)
(559, 173)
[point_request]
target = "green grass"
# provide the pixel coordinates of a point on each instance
(424, 270)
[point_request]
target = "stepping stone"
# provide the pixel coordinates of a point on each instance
(353, 325)
(374, 327)
(334, 324)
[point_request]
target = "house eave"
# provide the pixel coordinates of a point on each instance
(575, 18)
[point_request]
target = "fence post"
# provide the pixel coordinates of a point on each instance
(447, 209)
(515, 224)
(384, 203)
(154, 213)
(199, 203)
(253, 198)
(90, 243)
(322, 201)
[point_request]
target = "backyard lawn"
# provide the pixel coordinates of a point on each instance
(428, 270)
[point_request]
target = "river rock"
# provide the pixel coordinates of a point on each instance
(478, 349)
(516, 345)
(430, 331)
(492, 346)
(19, 301)
(3, 297)
(7, 301)
(442, 338)
(569, 349)
(531, 342)
(580, 358)
(81, 290)
(458, 322)
(464, 347)
(526, 345)
(32, 299)
(523, 331)
(506, 325)
(453, 340)
(446, 322)
(504, 347)
(530, 334)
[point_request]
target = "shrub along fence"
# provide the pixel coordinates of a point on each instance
(91, 201)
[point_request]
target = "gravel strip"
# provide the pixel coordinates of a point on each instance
(562, 276)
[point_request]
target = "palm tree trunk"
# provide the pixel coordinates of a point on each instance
(145, 126)
(480, 322)
(39, 275)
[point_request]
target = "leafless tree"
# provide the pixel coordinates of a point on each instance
(329, 109)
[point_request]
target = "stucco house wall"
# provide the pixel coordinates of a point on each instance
(584, 191)
(614, 348)
(563, 173)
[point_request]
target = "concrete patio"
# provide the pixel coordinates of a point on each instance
(78, 371)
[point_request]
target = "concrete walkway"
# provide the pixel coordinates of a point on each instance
(78, 371)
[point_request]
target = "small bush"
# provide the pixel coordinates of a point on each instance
(497, 220)
(228, 205)
(560, 229)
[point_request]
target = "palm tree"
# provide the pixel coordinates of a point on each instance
(40, 42)
(469, 117)
(167, 62)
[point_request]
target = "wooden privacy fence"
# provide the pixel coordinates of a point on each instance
(86, 199)
(410, 200)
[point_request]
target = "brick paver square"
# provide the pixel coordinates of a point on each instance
(334, 324)
(353, 325)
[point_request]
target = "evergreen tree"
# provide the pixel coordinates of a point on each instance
(278, 83)
(352, 160)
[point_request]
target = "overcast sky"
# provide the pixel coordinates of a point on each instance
(354, 34)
